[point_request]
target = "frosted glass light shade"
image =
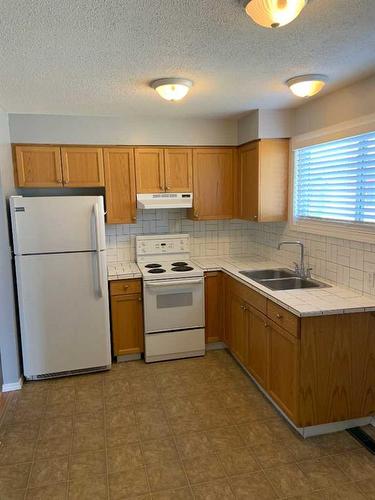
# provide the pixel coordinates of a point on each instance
(306, 85)
(274, 13)
(172, 89)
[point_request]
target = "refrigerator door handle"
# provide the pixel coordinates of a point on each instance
(97, 234)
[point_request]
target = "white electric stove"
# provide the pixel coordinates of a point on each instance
(173, 292)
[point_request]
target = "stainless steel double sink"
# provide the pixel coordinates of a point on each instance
(282, 279)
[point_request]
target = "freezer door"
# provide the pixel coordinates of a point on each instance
(63, 312)
(57, 224)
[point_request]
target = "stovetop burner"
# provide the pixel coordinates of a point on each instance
(157, 270)
(152, 266)
(182, 269)
(179, 264)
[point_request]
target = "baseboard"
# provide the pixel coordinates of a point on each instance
(128, 357)
(15, 386)
(213, 346)
(313, 430)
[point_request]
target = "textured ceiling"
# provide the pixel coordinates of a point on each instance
(98, 56)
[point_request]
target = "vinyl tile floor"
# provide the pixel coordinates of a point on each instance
(195, 428)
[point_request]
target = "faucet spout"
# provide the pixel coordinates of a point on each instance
(300, 268)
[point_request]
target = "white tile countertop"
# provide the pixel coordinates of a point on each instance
(302, 302)
(123, 270)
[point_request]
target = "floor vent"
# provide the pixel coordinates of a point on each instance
(81, 371)
(362, 437)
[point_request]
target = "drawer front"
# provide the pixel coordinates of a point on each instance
(283, 318)
(124, 287)
(250, 296)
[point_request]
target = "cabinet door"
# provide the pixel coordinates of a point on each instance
(258, 345)
(38, 166)
(248, 181)
(120, 185)
(149, 170)
(283, 372)
(213, 184)
(238, 325)
(82, 167)
(178, 170)
(214, 306)
(127, 324)
(273, 179)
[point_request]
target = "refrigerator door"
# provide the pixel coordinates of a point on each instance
(63, 312)
(57, 224)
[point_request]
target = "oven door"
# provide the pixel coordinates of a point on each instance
(176, 304)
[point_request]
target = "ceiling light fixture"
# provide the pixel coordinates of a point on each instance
(172, 89)
(306, 85)
(274, 13)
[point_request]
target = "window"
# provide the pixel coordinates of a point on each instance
(335, 181)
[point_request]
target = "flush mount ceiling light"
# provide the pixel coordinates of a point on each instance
(172, 89)
(274, 13)
(306, 85)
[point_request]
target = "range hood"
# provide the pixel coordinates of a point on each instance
(164, 200)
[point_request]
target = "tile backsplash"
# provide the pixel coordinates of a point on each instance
(206, 237)
(345, 262)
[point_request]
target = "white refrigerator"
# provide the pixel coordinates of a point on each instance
(60, 259)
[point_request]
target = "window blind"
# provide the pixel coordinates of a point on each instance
(336, 180)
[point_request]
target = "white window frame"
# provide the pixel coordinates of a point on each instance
(341, 230)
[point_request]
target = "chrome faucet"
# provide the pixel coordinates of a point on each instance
(300, 269)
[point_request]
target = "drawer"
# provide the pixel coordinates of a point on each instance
(250, 296)
(124, 287)
(283, 318)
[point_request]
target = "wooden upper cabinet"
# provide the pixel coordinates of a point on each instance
(213, 183)
(82, 166)
(248, 178)
(120, 185)
(37, 166)
(178, 170)
(263, 180)
(149, 169)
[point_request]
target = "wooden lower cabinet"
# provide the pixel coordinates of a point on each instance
(283, 370)
(258, 345)
(337, 368)
(214, 306)
(126, 317)
(318, 370)
(238, 326)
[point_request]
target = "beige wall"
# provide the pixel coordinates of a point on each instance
(8, 327)
(348, 103)
(118, 130)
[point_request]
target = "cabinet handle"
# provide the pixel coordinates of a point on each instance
(167, 188)
(134, 217)
(126, 287)
(139, 299)
(255, 217)
(266, 325)
(161, 187)
(196, 214)
(279, 316)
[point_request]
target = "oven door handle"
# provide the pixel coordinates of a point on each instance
(174, 283)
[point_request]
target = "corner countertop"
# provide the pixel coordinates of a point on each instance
(303, 302)
(123, 271)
